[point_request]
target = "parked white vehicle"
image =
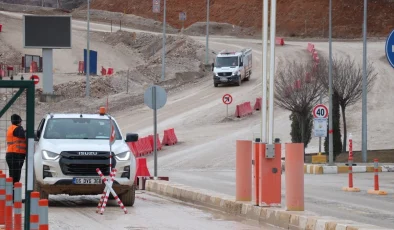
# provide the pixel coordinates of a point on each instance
(232, 67)
(70, 147)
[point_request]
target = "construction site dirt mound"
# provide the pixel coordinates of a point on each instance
(294, 17)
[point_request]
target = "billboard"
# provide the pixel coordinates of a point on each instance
(47, 32)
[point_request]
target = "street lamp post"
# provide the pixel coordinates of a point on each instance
(207, 37)
(264, 77)
(88, 53)
(364, 100)
(330, 131)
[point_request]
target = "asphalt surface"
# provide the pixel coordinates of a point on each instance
(323, 194)
(150, 212)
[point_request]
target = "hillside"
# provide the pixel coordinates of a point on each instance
(294, 17)
(65, 4)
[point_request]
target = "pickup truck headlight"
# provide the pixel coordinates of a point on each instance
(125, 156)
(47, 155)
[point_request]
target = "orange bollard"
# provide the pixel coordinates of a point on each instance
(256, 176)
(18, 206)
(376, 190)
(294, 164)
(2, 198)
(8, 204)
(243, 177)
(270, 177)
(350, 180)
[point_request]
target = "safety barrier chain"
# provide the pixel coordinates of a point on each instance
(11, 207)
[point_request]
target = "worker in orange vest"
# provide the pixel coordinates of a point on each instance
(16, 149)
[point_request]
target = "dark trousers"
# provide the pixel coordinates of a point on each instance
(15, 162)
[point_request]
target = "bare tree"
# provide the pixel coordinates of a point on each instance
(297, 89)
(347, 81)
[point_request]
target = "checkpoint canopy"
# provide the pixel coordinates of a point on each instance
(47, 32)
(390, 48)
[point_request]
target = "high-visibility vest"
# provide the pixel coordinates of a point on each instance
(15, 144)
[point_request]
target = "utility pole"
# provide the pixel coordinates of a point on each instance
(272, 73)
(88, 55)
(330, 131)
(163, 66)
(264, 80)
(207, 37)
(364, 100)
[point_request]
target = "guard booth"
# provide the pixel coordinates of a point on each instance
(18, 97)
(26, 62)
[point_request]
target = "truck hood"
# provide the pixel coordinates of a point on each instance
(60, 145)
(225, 69)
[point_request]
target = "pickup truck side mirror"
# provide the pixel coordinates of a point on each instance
(131, 137)
(36, 134)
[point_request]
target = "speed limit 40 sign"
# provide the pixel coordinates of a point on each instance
(320, 111)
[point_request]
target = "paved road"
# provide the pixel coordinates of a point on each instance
(323, 194)
(150, 212)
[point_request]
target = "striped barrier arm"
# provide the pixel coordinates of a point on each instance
(110, 189)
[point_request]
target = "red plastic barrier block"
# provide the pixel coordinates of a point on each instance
(238, 111)
(248, 108)
(310, 47)
(133, 149)
(158, 144)
(103, 71)
(2, 73)
(317, 59)
(110, 71)
(81, 66)
(173, 136)
(167, 140)
(10, 68)
(257, 105)
(279, 41)
(142, 169)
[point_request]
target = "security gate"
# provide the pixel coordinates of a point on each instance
(18, 96)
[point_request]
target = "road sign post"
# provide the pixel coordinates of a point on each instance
(227, 99)
(182, 18)
(320, 114)
(390, 48)
(155, 97)
(35, 78)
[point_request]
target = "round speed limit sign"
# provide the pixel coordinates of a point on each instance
(320, 111)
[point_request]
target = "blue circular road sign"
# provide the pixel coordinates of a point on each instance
(390, 49)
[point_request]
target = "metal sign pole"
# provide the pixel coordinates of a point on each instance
(227, 110)
(264, 79)
(330, 133)
(207, 37)
(154, 129)
(320, 137)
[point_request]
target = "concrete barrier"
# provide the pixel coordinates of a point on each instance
(274, 216)
(325, 169)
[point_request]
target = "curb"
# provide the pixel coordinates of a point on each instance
(274, 216)
(325, 169)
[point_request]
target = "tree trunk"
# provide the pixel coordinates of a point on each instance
(344, 143)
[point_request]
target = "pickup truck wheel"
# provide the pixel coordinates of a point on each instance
(239, 81)
(215, 84)
(37, 188)
(128, 198)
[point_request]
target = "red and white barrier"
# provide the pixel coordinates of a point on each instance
(243, 110)
(108, 189)
(257, 104)
(376, 190)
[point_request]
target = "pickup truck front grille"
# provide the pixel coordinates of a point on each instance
(74, 164)
(225, 74)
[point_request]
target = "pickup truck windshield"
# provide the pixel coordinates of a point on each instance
(79, 128)
(226, 62)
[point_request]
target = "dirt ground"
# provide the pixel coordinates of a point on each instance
(294, 17)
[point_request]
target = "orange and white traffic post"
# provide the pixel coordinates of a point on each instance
(43, 214)
(8, 204)
(350, 188)
(2, 197)
(376, 190)
(18, 206)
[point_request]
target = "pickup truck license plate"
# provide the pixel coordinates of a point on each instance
(223, 79)
(86, 180)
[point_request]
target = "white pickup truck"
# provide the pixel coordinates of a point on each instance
(232, 67)
(70, 147)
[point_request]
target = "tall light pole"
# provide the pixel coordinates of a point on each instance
(272, 72)
(88, 53)
(330, 131)
(264, 66)
(364, 103)
(163, 66)
(207, 37)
